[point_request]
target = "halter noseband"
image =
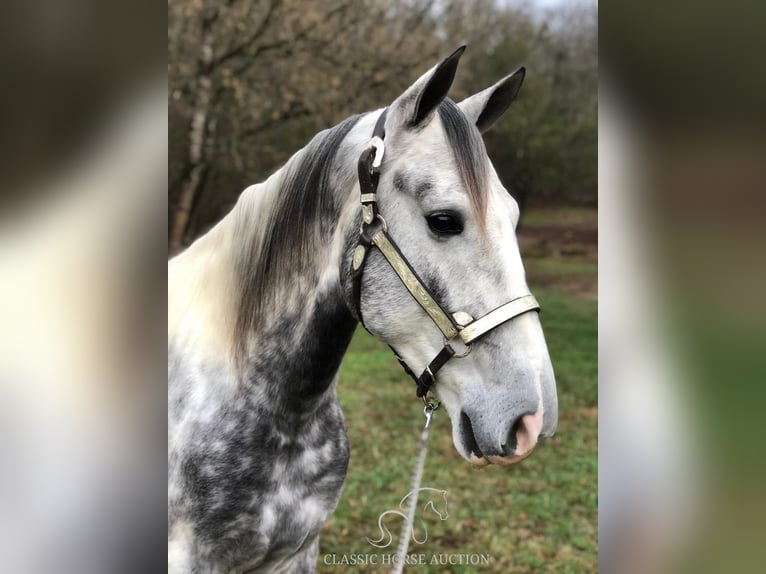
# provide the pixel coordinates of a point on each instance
(374, 233)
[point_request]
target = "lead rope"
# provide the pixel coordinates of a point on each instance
(417, 476)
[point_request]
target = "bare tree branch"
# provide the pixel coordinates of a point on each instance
(241, 48)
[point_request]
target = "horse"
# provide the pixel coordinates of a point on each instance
(410, 233)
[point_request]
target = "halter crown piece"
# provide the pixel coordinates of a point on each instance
(459, 329)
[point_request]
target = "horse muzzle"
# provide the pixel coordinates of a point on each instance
(504, 444)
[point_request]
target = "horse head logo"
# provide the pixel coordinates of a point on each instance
(439, 508)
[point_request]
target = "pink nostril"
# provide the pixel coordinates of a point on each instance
(528, 429)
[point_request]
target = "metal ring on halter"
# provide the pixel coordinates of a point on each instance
(431, 404)
(377, 216)
(382, 221)
(459, 355)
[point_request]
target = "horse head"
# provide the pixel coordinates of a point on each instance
(454, 225)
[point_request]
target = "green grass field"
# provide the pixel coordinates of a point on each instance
(537, 516)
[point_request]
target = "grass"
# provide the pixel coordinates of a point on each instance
(537, 516)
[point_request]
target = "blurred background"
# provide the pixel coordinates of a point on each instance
(682, 320)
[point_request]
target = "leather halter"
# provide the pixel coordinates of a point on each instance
(457, 327)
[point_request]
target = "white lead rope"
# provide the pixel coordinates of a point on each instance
(404, 537)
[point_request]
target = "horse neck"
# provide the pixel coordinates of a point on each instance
(293, 352)
(292, 348)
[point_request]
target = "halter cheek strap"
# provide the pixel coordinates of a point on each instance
(374, 233)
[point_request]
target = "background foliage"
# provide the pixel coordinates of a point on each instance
(251, 81)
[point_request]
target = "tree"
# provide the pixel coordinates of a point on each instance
(251, 81)
(241, 69)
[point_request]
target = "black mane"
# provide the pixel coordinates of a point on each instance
(305, 214)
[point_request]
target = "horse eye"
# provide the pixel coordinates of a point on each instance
(445, 224)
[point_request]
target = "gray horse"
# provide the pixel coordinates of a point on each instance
(263, 306)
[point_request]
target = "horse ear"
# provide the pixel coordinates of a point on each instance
(486, 107)
(419, 102)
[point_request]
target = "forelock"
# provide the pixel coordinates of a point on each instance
(470, 155)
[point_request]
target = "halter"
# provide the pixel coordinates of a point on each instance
(459, 326)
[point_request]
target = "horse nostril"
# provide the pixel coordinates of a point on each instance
(469, 439)
(510, 440)
(523, 434)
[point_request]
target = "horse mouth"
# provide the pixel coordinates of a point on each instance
(499, 460)
(509, 460)
(478, 461)
(481, 461)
